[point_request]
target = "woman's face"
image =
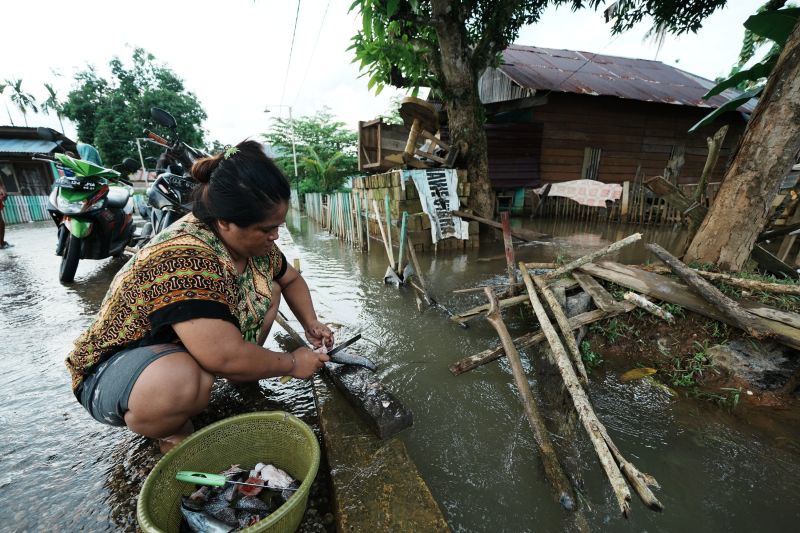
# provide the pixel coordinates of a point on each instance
(254, 240)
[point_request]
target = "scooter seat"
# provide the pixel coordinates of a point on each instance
(117, 197)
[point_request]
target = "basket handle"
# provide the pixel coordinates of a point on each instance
(201, 478)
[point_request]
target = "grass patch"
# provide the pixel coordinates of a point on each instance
(591, 359)
(686, 371)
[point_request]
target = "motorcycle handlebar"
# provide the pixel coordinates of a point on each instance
(157, 138)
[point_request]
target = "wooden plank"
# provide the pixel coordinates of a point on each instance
(626, 195)
(602, 298)
(668, 290)
(788, 241)
(770, 263)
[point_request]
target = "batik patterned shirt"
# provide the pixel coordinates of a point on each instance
(184, 273)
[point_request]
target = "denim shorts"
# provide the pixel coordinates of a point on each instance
(105, 392)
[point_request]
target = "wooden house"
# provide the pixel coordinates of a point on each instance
(561, 115)
(27, 181)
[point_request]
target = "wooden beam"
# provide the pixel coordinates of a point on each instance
(580, 400)
(613, 247)
(552, 468)
(531, 339)
(522, 234)
(726, 306)
(602, 298)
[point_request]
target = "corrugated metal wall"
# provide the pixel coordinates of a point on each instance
(19, 208)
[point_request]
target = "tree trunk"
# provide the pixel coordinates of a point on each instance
(765, 155)
(464, 109)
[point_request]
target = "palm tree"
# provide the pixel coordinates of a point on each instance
(52, 104)
(322, 171)
(2, 90)
(24, 101)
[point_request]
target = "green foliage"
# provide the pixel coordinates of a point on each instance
(111, 114)
(611, 330)
(22, 100)
(326, 150)
(674, 309)
(591, 359)
(769, 24)
(684, 372)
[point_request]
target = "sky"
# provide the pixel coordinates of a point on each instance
(239, 56)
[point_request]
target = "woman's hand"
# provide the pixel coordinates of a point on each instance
(307, 362)
(318, 334)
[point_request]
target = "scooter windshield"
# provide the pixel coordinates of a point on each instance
(86, 168)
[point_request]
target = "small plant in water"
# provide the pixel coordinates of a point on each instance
(591, 359)
(685, 371)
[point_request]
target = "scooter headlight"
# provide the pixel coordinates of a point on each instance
(71, 207)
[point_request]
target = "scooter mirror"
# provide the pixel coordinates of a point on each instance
(163, 117)
(46, 134)
(130, 164)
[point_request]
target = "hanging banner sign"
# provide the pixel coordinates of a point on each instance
(437, 188)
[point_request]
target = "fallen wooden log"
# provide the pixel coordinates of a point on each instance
(580, 400)
(563, 324)
(521, 234)
(668, 290)
(530, 339)
(649, 306)
(613, 247)
(384, 413)
(552, 467)
(729, 308)
(728, 279)
(493, 287)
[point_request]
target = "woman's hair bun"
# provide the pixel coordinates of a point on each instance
(203, 168)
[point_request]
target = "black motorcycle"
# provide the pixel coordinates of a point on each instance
(169, 196)
(90, 205)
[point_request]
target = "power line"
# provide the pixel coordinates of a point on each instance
(291, 49)
(313, 50)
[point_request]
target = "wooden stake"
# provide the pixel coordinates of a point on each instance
(509, 249)
(552, 468)
(732, 310)
(383, 233)
(579, 398)
(592, 256)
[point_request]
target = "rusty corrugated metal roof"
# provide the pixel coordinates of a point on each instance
(547, 69)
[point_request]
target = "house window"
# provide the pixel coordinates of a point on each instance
(7, 177)
(591, 163)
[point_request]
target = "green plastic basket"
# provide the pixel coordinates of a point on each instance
(268, 437)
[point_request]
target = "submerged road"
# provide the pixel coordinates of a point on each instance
(61, 471)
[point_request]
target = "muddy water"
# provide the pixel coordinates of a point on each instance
(719, 472)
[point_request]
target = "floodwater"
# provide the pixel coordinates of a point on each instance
(471, 442)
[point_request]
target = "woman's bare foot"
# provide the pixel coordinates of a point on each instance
(167, 443)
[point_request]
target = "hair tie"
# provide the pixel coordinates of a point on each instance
(230, 151)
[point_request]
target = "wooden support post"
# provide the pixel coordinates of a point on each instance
(569, 267)
(387, 205)
(401, 252)
(552, 468)
(581, 401)
(389, 251)
(730, 309)
(509, 249)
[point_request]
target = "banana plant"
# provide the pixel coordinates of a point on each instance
(775, 26)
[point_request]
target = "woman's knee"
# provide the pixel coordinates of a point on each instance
(175, 383)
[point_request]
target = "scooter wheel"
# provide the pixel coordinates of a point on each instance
(69, 261)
